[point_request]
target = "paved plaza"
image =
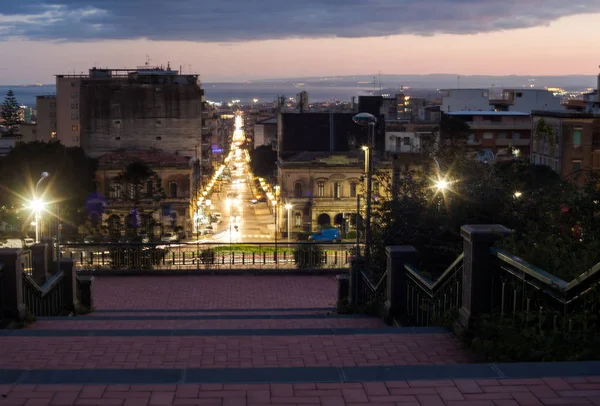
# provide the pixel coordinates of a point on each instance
(258, 340)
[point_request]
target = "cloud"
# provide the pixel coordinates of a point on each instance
(244, 20)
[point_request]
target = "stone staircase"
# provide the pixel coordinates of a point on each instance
(258, 340)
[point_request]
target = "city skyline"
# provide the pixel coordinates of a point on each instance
(237, 41)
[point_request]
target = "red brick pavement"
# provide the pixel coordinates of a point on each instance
(229, 351)
(491, 392)
(363, 322)
(214, 292)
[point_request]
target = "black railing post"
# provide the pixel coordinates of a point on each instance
(13, 305)
(67, 266)
(477, 276)
(395, 301)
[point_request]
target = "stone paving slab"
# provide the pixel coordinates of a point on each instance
(480, 392)
(214, 292)
(252, 316)
(179, 312)
(229, 351)
(90, 324)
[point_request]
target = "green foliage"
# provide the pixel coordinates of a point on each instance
(309, 256)
(9, 112)
(138, 181)
(544, 131)
(351, 234)
(520, 339)
(263, 161)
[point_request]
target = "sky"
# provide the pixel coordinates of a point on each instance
(238, 40)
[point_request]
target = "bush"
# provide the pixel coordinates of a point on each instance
(309, 256)
(351, 235)
(207, 256)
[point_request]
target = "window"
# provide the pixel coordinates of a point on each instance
(375, 188)
(576, 166)
(502, 136)
(406, 140)
(118, 138)
(173, 189)
(74, 116)
(488, 136)
(75, 127)
(149, 188)
(159, 138)
(53, 134)
(577, 138)
(74, 105)
(337, 190)
(516, 136)
(297, 189)
(75, 139)
(298, 219)
(73, 84)
(74, 95)
(115, 190)
(353, 189)
(321, 189)
(116, 109)
(131, 191)
(519, 94)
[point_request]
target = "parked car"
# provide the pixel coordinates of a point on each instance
(327, 235)
(29, 242)
(89, 239)
(169, 237)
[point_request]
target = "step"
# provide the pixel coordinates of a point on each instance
(485, 385)
(35, 349)
(211, 312)
(95, 323)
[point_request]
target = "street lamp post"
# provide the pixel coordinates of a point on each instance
(37, 206)
(289, 207)
(368, 120)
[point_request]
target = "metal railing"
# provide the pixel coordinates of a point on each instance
(46, 300)
(372, 292)
(432, 302)
(207, 256)
(522, 292)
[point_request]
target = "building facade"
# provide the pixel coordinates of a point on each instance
(567, 142)
(497, 131)
(46, 119)
(265, 132)
(155, 213)
(521, 100)
(322, 188)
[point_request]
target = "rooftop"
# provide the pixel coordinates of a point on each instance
(564, 114)
(486, 113)
(271, 120)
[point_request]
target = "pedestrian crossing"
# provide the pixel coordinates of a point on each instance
(256, 236)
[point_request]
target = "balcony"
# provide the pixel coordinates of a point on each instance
(404, 149)
(498, 125)
(504, 142)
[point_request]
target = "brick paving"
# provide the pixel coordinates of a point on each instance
(87, 324)
(229, 351)
(490, 392)
(214, 292)
(120, 357)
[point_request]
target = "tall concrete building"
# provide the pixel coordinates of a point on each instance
(116, 109)
(46, 123)
(523, 100)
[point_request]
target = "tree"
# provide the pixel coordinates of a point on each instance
(10, 113)
(71, 180)
(263, 161)
(454, 133)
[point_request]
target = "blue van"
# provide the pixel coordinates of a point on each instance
(327, 235)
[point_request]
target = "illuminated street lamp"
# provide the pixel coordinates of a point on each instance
(37, 206)
(368, 120)
(442, 185)
(517, 194)
(366, 149)
(289, 207)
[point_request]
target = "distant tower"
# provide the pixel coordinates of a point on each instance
(302, 101)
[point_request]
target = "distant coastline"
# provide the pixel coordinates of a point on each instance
(322, 89)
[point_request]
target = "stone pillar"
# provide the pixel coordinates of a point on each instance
(477, 269)
(11, 295)
(67, 266)
(395, 302)
(39, 256)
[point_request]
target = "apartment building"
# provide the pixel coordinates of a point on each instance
(523, 100)
(567, 142)
(46, 119)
